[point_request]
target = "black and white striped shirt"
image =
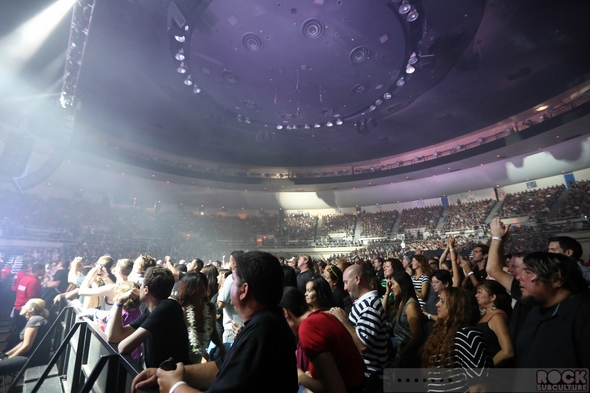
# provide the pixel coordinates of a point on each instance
(472, 363)
(368, 318)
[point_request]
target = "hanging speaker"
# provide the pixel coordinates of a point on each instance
(16, 154)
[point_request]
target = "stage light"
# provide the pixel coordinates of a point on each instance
(180, 55)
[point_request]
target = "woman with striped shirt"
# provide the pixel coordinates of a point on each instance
(420, 279)
(456, 352)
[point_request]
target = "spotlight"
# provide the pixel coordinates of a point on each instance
(372, 108)
(378, 102)
(410, 69)
(387, 96)
(196, 89)
(412, 16)
(247, 121)
(329, 124)
(339, 122)
(413, 59)
(400, 82)
(179, 38)
(306, 126)
(404, 8)
(279, 127)
(181, 68)
(294, 127)
(188, 81)
(180, 55)
(317, 125)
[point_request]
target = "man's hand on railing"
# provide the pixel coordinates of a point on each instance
(145, 380)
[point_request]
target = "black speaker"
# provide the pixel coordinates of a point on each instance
(16, 154)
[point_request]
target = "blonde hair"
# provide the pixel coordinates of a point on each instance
(38, 305)
(130, 304)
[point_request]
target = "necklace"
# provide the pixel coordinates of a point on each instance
(192, 330)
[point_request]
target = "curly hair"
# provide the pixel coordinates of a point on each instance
(421, 259)
(462, 311)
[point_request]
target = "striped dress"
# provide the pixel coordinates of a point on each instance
(368, 318)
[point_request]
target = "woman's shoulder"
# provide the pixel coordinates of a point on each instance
(36, 321)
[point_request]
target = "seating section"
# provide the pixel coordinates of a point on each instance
(533, 203)
(420, 217)
(577, 201)
(377, 224)
(467, 215)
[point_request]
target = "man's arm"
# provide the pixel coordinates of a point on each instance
(341, 315)
(134, 340)
(496, 254)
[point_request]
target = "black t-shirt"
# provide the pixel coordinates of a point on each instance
(62, 276)
(261, 359)
(302, 280)
(519, 311)
(169, 333)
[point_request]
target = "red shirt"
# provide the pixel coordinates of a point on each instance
(5, 272)
(321, 332)
(19, 276)
(28, 288)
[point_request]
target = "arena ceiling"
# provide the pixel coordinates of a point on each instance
(298, 84)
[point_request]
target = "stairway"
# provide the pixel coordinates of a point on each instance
(395, 229)
(441, 222)
(557, 204)
(493, 212)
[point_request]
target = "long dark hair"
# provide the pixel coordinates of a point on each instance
(323, 292)
(462, 311)
(188, 287)
(407, 291)
(210, 271)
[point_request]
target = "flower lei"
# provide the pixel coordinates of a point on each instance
(192, 330)
(193, 334)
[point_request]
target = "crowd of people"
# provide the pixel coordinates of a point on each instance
(577, 201)
(426, 217)
(534, 204)
(344, 224)
(467, 215)
(300, 226)
(377, 224)
(234, 325)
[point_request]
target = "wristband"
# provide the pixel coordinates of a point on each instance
(451, 249)
(119, 304)
(429, 317)
(177, 384)
(497, 238)
(470, 273)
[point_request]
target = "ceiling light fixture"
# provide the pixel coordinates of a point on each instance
(181, 68)
(279, 127)
(387, 96)
(329, 124)
(196, 89)
(317, 125)
(339, 122)
(179, 38)
(400, 82)
(188, 81)
(413, 59)
(180, 55)
(410, 69)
